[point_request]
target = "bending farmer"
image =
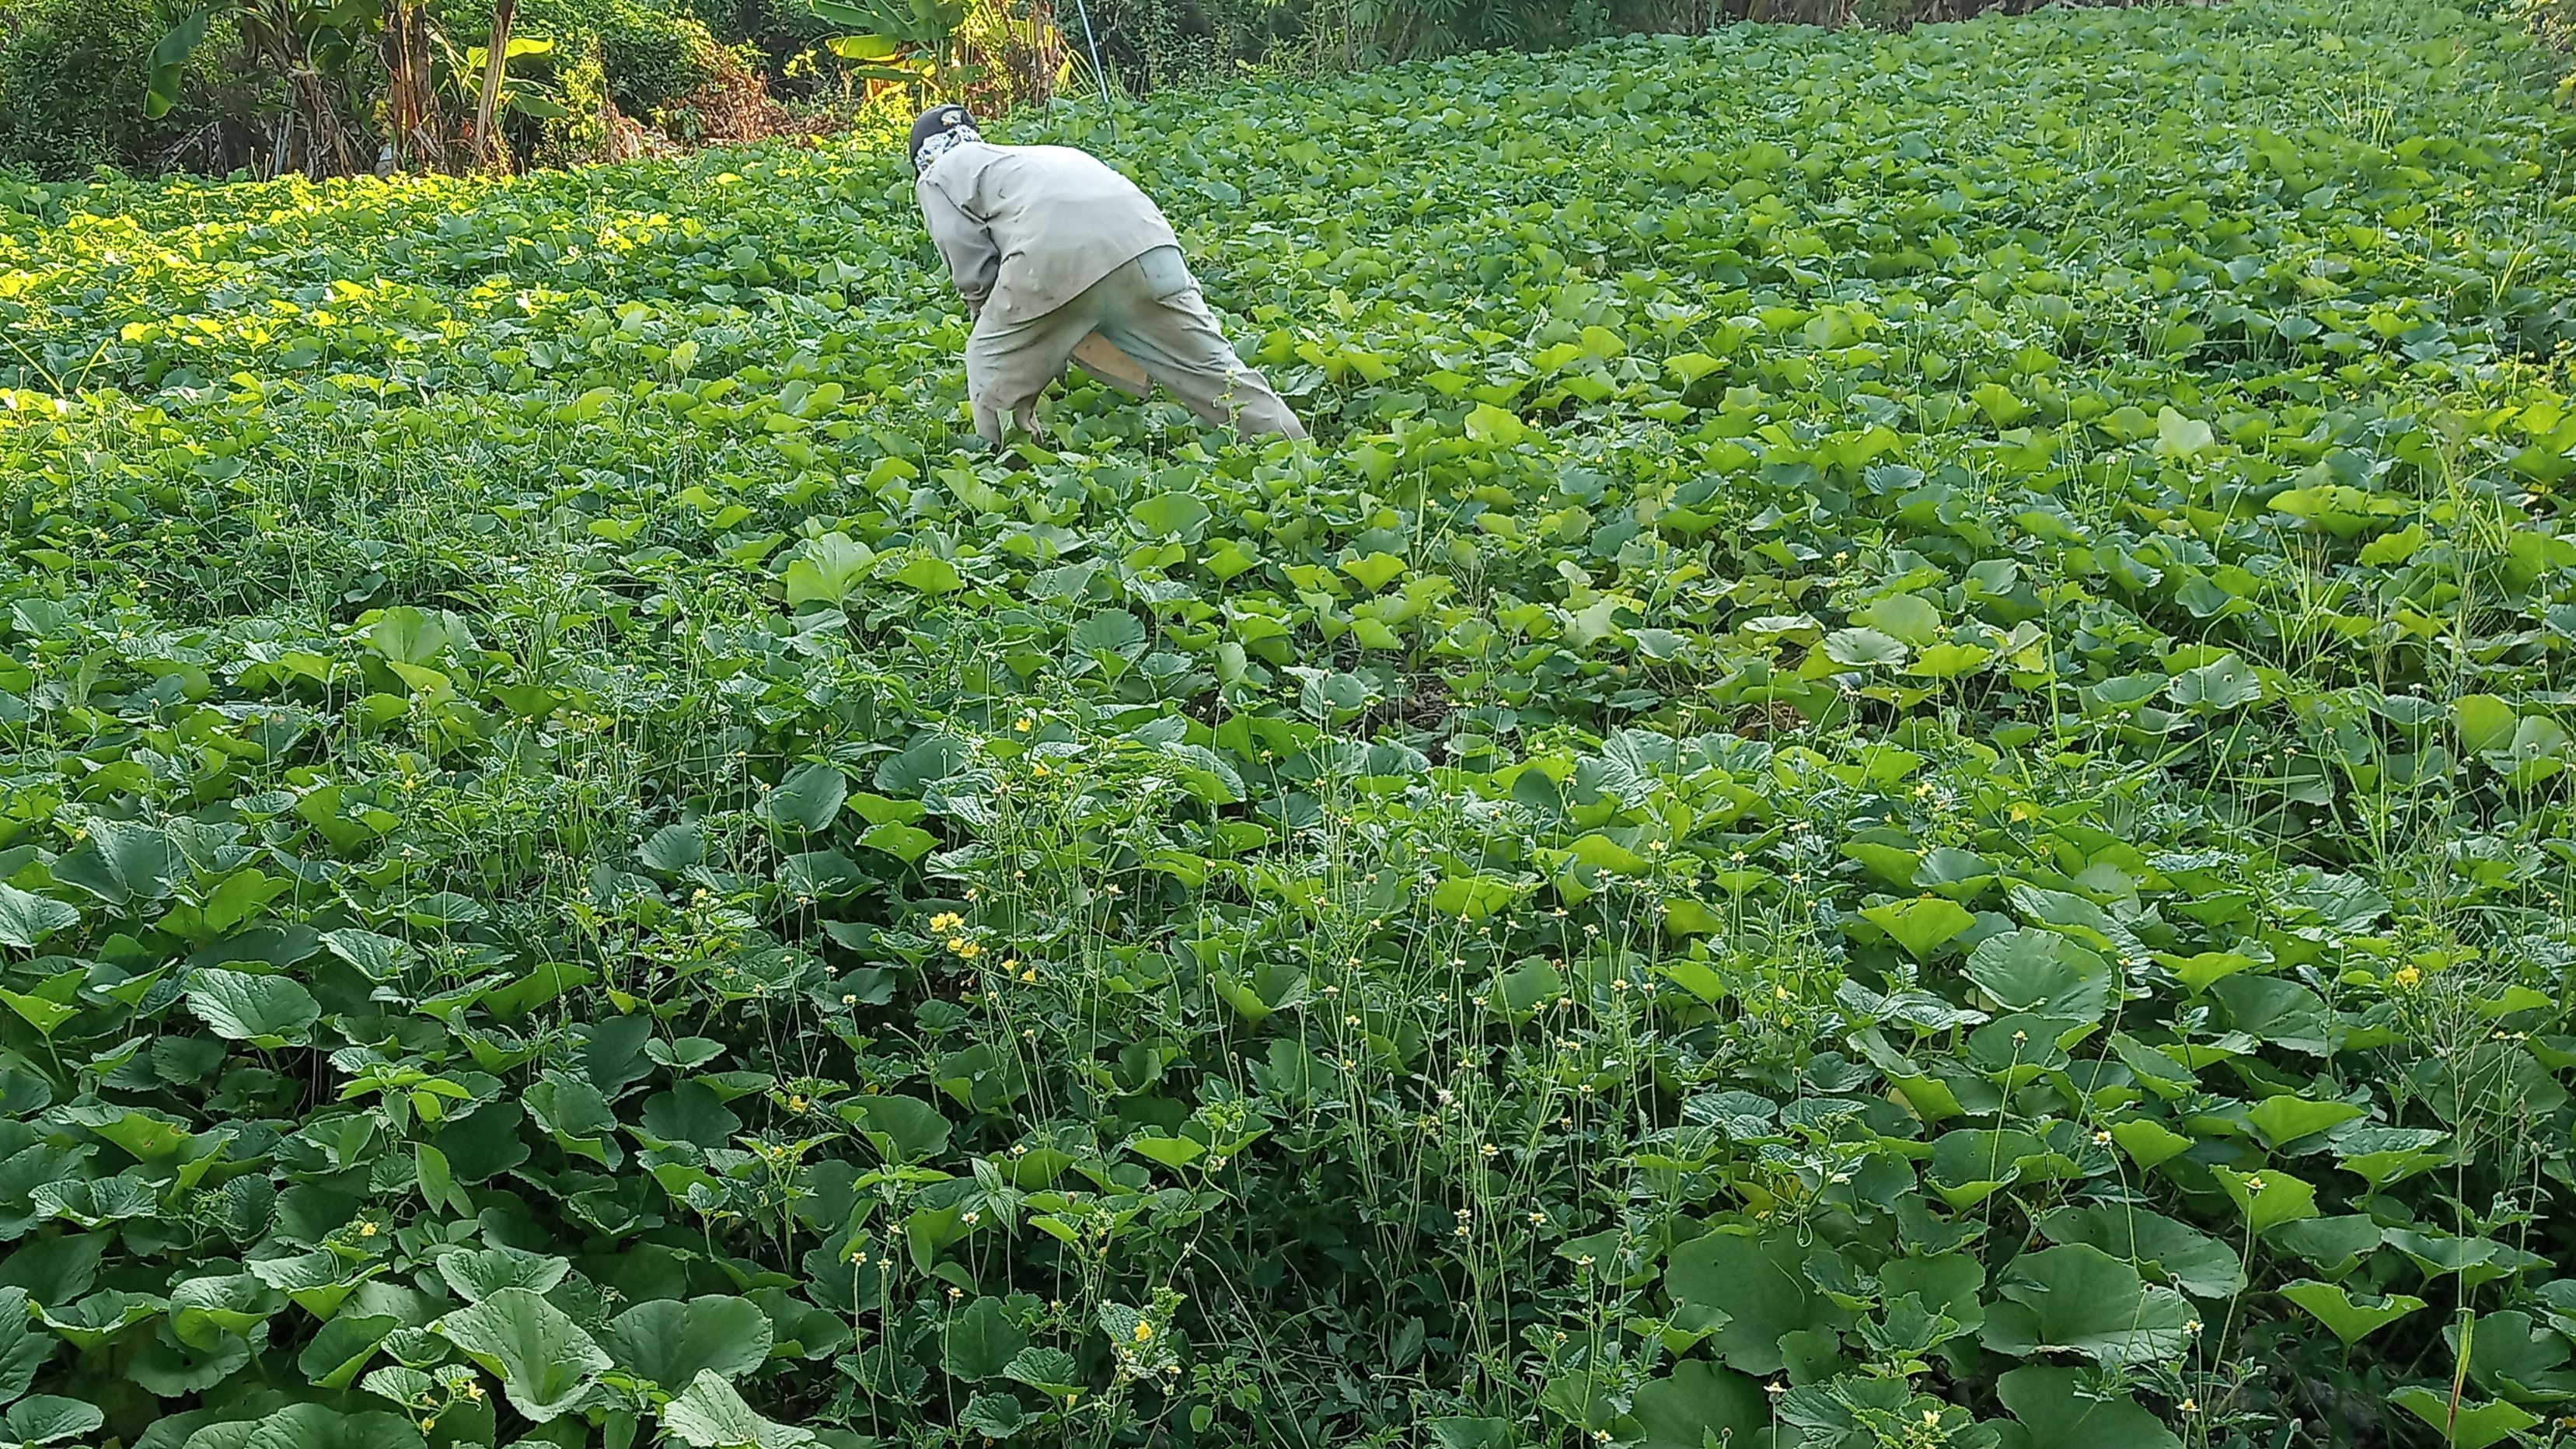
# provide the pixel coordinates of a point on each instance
(1049, 246)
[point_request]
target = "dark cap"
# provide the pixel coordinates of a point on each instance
(936, 120)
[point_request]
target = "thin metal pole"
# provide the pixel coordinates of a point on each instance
(1099, 73)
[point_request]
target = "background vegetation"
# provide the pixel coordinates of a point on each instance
(630, 73)
(1897, 777)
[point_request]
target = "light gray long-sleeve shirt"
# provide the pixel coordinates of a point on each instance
(1026, 229)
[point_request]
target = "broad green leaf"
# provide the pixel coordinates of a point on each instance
(122, 862)
(204, 1309)
(2224, 683)
(2350, 1319)
(315, 1426)
(2196, 972)
(378, 958)
(830, 570)
(907, 843)
(1864, 649)
(2078, 1299)
(1111, 632)
(690, 1112)
(1920, 925)
(2285, 1119)
(2268, 1198)
(476, 1275)
(2179, 437)
(27, 919)
(2063, 1408)
(2336, 1245)
(1169, 1151)
(1375, 570)
(1170, 515)
(2160, 1247)
(343, 1348)
(674, 848)
(671, 1342)
(319, 1281)
(88, 1324)
(924, 762)
(1050, 1371)
(929, 574)
(1695, 1401)
(2385, 1155)
(266, 1011)
(22, 1349)
(980, 1342)
(992, 1416)
(2486, 723)
(1972, 1164)
(2042, 973)
(1949, 661)
(170, 61)
(2275, 1010)
(54, 1271)
(48, 1419)
(902, 1129)
(708, 1414)
(1489, 424)
(1760, 1283)
(807, 799)
(2515, 1357)
(1910, 619)
(2467, 1424)
(545, 1362)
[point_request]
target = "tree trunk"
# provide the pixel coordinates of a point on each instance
(496, 57)
(327, 139)
(411, 100)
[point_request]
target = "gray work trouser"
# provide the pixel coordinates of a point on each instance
(1151, 308)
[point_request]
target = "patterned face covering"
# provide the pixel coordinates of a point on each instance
(941, 144)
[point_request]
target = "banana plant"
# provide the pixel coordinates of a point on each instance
(909, 41)
(324, 49)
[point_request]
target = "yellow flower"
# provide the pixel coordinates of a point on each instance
(970, 950)
(1144, 1331)
(1025, 724)
(946, 921)
(2407, 978)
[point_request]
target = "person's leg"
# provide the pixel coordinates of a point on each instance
(1152, 309)
(1009, 363)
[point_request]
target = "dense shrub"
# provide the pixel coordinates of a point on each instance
(1152, 44)
(653, 52)
(780, 30)
(2554, 21)
(71, 84)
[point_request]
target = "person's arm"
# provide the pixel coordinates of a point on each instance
(973, 261)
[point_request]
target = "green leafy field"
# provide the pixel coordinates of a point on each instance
(1897, 777)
